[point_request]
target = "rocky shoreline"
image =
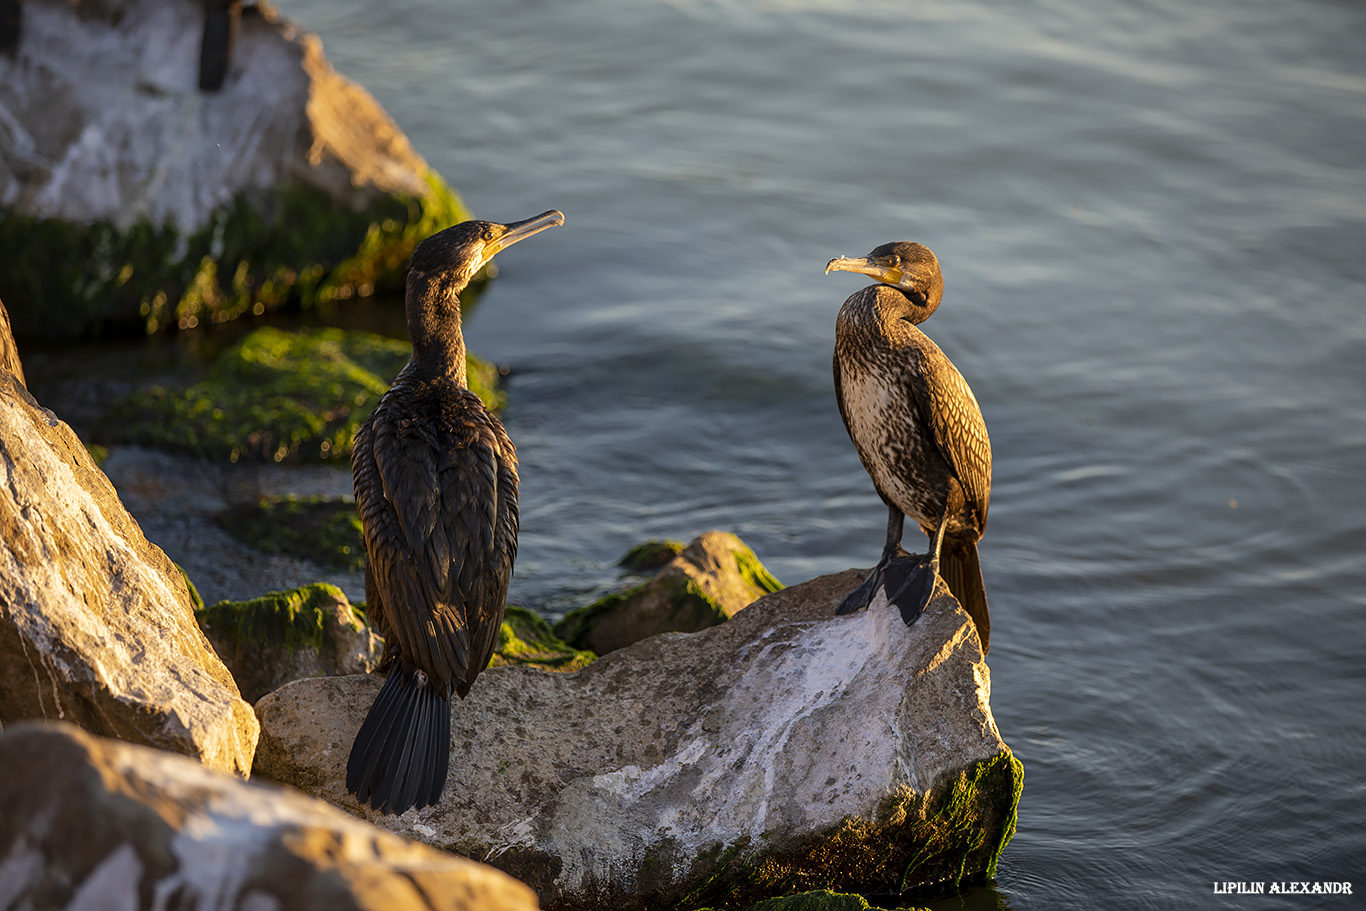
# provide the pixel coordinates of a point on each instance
(702, 738)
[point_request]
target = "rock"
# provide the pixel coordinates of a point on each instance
(96, 623)
(326, 530)
(129, 198)
(278, 396)
(783, 751)
(526, 639)
(707, 582)
(311, 631)
(9, 352)
(650, 556)
(91, 823)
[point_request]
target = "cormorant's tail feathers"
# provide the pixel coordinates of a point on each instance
(963, 574)
(401, 754)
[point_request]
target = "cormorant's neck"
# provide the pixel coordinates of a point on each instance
(434, 327)
(917, 308)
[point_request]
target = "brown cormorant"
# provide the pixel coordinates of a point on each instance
(918, 431)
(436, 487)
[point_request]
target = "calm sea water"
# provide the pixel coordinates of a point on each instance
(1151, 218)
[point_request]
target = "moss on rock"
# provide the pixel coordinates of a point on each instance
(527, 639)
(693, 588)
(295, 619)
(650, 556)
(914, 848)
(295, 246)
(326, 530)
(310, 631)
(279, 396)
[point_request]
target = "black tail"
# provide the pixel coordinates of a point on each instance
(960, 570)
(403, 750)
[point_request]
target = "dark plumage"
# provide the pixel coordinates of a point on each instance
(436, 486)
(918, 432)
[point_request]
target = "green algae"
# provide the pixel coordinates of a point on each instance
(325, 530)
(755, 573)
(294, 619)
(816, 900)
(913, 848)
(296, 247)
(279, 396)
(526, 639)
(650, 556)
(196, 601)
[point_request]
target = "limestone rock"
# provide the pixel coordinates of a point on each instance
(712, 578)
(91, 823)
(128, 196)
(783, 751)
(312, 631)
(96, 623)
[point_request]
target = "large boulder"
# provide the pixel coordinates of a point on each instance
(129, 197)
(700, 586)
(96, 623)
(785, 750)
(91, 823)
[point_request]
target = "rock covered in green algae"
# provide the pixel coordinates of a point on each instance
(821, 900)
(312, 631)
(527, 639)
(279, 396)
(650, 556)
(696, 587)
(325, 530)
(149, 205)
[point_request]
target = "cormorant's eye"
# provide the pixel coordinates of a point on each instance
(488, 234)
(894, 260)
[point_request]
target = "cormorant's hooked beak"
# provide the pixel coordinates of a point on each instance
(865, 265)
(521, 230)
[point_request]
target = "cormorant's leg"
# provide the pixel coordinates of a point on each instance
(912, 592)
(862, 596)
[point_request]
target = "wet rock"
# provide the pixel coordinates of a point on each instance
(96, 623)
(311, 631)
(701, 586)
(278, 396)
(91, 823)
(785, 750)
(129, 198)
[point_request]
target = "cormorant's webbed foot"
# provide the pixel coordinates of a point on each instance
(862, 596)
(910, 585)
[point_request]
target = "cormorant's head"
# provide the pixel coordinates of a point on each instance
(910, 268)
(459, 252)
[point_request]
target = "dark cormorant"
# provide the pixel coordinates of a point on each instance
(436, 487)
(918, 432)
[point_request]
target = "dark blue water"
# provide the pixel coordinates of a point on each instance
(1152, 223)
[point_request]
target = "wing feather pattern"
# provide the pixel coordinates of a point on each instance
(436, 487)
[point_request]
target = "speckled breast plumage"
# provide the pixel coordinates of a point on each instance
(888, 372)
